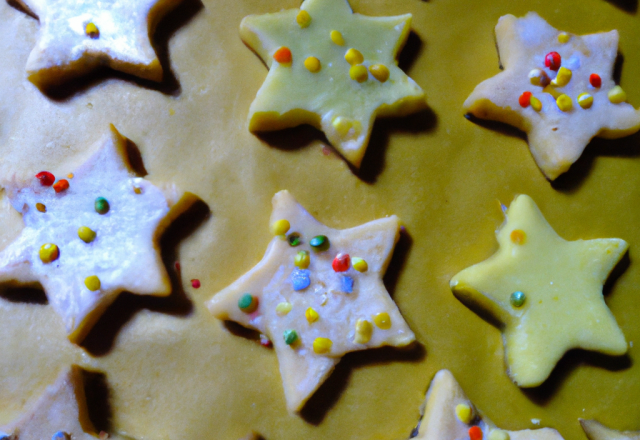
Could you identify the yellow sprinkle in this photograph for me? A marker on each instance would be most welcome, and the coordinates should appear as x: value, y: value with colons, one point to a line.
x: 302, y: 259
x: 518, y: 236
x: 172, y: 112
x: 280, y: 227
x: 311, y: 315
x: 86, y: 234
x: 312, y: 64
x: 342, y: 125
x: 303, y: 18
x: 563, y: 77
x: 379, y: 72
x: 49, y: 252
x: 552, y: 91
x: 92, y: 30
x: 617, y: 95
x: 535, y: 103
x: 358, y: 73
x: 353, y: 57
x: 464, y: 413
x: 337, y: 38
x: 40, y: 207
x: 283, y: 308
x: 322, y: 345
x: 70, y: 176
x: 564, y: 103
x: 382, y: 320
x: 564, y: 37
x: 539, y: 77
x: 364, y: 330
x: 359, y: 264
x: 585, y: 100
x: 92, y: 283
x: 137, y: 190
x: 499, y: 434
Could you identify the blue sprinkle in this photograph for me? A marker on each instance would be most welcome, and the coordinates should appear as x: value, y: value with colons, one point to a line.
x: 300, y: 279
x: 347, y: 284
x: 60, y: 435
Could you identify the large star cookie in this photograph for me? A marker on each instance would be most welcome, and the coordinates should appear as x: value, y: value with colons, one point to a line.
x: 332, y: 69
x: 88, y: 238
x: 450, y: 415
x: 317, y: 294
x: 77, y: 35
x: 545, y: 291
x: 557, y: 87
x: 59, y: 414
x: 597, y: 431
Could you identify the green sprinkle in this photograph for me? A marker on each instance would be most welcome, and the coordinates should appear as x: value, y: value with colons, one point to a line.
x: 248, y: 303
x: 517, y: 299
x: 294, y: 239
x: 290, y: 336
x: 102, y: 205
x: 320, y: 243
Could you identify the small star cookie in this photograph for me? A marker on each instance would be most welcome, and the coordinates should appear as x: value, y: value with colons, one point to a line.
x: 59, y: 414
x: 317, y: 294
x: 76, y: 36
x: 557, y: 87
x: 90, y: 237
x: 450, y: 415
x: 545, y: 291
x: 597, y: 431
x: 332, y: 69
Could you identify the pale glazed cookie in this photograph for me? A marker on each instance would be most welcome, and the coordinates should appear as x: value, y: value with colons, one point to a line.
x: 557, y: 87
x: 92, y: 236
x: 317, y: 294
x: 332, y: 69
x: 597, y: 431
x: 59, y: 414
x: 450, y: 415
x: 76, y: 36
x: 545, y: 291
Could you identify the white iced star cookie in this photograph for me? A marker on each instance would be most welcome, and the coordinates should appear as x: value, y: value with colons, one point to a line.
x: 90, y: 237
x: 597, y: 431
x: 59, y: 414
x: 450, y: 415
x: 76, y: 36
x: 557, y: 87
x: 332, y: 69
x: 317, y: 294
x: 545, y: 291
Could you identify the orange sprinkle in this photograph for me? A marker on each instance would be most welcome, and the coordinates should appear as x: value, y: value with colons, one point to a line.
x: 137, y: 190
x: 282, y: 55
x: 518, y: 236
x: 61, y: 185
x: 70, y: 175
x: 40, y: 207
x: 475, y: 433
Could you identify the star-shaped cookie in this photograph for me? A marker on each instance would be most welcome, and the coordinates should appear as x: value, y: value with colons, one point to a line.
x: 597, y: 431
x: 332, y: 69
x: 545, y: 291
x: 76, y: 36
x: 317, y: 294
x: 557, y: 87
x: 450, y: 415
x: 90, y: 237
x: 61, y: 410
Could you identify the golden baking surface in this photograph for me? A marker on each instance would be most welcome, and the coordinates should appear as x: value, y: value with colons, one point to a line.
x: 173, y: 371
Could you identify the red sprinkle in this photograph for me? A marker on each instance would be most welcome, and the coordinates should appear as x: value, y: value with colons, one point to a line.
x: 595, y: 80
x: 265, y: 341
x: 195, y: 283
x: 341, y: 263
x: 177, y: 266
x: 61, y: 185
x: 552, y: 60
x: 45, y: 178
x: 475, y: 433
x: 282, y: 55
x: 525, y: 99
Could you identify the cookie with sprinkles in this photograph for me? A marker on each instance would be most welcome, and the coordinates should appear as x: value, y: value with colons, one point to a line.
x: 449, y: 414
x: 94, y: 236
x: 332, y: 69
x: 317, y: 294
x: 77, y: 36
x: 597, y: 431
x: 545, y: 291
x: 557, y: 87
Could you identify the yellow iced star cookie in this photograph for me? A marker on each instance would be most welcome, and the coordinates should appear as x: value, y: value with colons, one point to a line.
x: 59, y: 414
x: 76, y: 36
x: 557, y: 87
x: 332, y: 69
x: 450, y: 415
x: 317, y: 294
x: 597, y: 431
x: 90, y: 237
x: 545, y: 291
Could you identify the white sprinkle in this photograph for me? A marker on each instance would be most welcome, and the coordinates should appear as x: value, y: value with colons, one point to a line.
x: 535, y: 421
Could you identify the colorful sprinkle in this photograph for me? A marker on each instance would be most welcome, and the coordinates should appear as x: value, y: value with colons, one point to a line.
x: 312, y: 64
x: 61, y: 185
x: 379, y: 72
x: 103, y: 435
x: 290, y: 337
x: 283, y: 308
x: 265, y: 341
x: 280, y: 227
x: 92, y: 282
x: 464, y: 413
x: 595, y: 80
x: 552, y: 60
x: 177, y: 266
x: 550, y: 89
x: 195, y: 283
x: 359, y: 73
x: 359, y: 264
x: 70, y: 176
x: 45, y: 178
x: 382, y: 320
x: 302, y: 260
x: 499, y: 434
x: 617, y: 95
x: 364, y: 330
x: 102, y: 205
x: 60, y: 435
x: 86, y: 234
x: 539, y: 77
x: 337, y: 38
x: 475, y: 433
x: 585, y: 100
x: 518, y: 236
x: 300, y: 279
x: 40, y: 207
x: 341, y: 262
x: 536, y: 104
x: 322, y: 345
x: 525, y: 99
x: 303, y: 18
x: 49, y: 252
x: 282, y: 55
x: 564, y: 103
x: 346, y: 284
x: 563, y: 78
x: 353, y: 57
x: 293, y: 239
x: 311, y: 315
x: 319, y: 243
x: 563, y: 37
x: 248, y: 303
x: 91, y: 30
x: 137, y: 190
x: 517, y: 298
